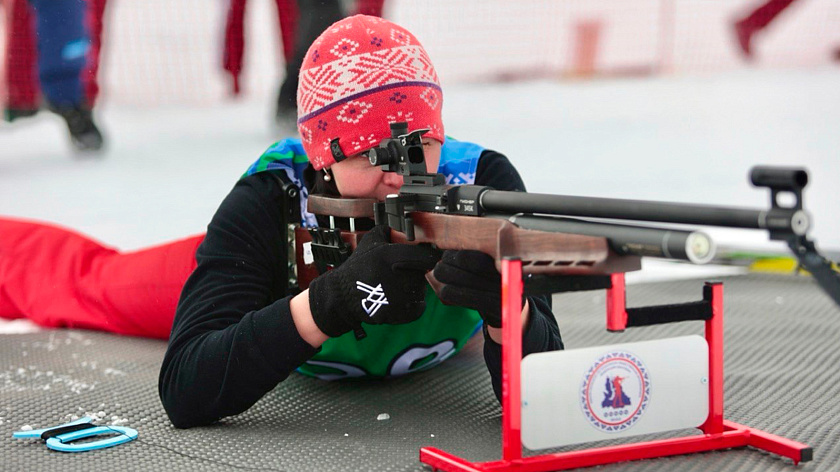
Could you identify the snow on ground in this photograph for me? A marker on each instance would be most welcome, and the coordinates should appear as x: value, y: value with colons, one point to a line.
x: 687, y: 139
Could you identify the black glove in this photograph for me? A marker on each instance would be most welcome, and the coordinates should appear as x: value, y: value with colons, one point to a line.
x: 379, y: 283
x: 470, y: 279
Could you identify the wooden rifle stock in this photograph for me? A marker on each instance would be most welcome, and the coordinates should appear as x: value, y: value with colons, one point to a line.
x: 541, y: 252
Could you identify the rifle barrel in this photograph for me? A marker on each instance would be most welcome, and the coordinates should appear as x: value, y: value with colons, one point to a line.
x: 789, y: 220
x: 694, y: 246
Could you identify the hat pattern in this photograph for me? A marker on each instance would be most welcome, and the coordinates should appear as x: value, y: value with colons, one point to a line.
x: 360, y: 75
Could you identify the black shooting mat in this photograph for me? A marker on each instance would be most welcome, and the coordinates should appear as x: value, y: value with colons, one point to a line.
x: 781, y: 355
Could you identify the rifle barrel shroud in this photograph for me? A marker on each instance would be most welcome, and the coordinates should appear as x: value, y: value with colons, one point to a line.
x: 786, y: 220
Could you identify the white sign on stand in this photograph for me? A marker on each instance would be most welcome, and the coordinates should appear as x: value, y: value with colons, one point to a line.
x: 608, y: 392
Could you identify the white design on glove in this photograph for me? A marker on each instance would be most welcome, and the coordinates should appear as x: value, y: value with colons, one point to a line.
x: 376, y: 297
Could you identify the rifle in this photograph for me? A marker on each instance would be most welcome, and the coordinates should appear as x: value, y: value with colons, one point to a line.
x: 558, y: 253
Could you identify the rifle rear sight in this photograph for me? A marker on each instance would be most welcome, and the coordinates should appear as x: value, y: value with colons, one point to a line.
x: 402, y: 152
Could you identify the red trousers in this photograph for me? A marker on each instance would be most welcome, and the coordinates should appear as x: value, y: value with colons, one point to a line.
x: 22, y: 54
x: 59, y: 278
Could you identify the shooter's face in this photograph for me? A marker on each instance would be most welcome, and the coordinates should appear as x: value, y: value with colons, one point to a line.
x: 356, y: 178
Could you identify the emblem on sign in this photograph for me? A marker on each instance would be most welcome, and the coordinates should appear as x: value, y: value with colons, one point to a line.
x: 615, y: 392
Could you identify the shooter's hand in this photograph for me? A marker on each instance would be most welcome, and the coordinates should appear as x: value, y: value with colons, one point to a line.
x: 469, y: 279
x: 380, y: 283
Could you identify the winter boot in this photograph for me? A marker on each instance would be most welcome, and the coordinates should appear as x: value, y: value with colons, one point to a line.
x: 11, y: 114
x: 83, y: 131
x: 286, y: 121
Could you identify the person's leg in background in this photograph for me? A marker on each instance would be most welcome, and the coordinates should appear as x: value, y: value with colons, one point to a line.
x: 287, y: 20
x: 757, y: 21
x: 314, y: 16
x: 58, y: 278
x: 22, y: 91
x: 96, y: 12
x: 63, y: 44
x: 234, y: 43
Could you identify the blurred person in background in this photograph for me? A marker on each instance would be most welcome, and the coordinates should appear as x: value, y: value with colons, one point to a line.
x: 300, y: 23
x: 53, y: 50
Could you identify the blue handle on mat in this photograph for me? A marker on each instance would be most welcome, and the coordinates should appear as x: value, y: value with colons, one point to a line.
x: 63, y: 442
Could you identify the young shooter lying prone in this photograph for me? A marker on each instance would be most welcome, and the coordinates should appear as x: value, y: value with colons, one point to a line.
x: 236, y: 332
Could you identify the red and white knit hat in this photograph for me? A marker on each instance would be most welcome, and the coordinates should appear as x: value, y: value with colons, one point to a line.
x: 360, y: 75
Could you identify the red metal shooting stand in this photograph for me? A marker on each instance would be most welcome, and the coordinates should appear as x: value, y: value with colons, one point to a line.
x: 718, y: 433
